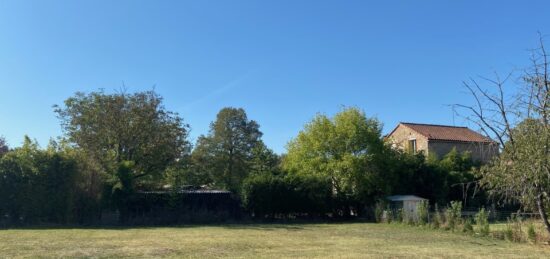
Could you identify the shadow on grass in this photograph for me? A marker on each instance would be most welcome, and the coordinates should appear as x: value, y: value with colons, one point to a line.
x: 293, y: 225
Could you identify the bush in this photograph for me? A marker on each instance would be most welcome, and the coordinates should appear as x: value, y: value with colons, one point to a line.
x: 509, y: 233
x: 514, y: 229
x: 482, y: 222
x: 453, y: 214
x: 399, y: 216
x: 379, y: 211
x: 37, y: 186
x: 267, y: 195
x: 409, y: 218
x: 423, y: 212
x: 437, y: 218
x: 389, y: 215
x: 531, y: 234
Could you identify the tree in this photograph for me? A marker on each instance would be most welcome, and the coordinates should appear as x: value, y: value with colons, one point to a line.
x: 522, y: 172
x: 113, y: 128
x: 411, y: 174
x: 343, y: 148
x: 223, y: 157
x: 131, y: 137
x: 3, y: 146
x: 458, y: 169
x: 264, y: 160
x: 520, y: 121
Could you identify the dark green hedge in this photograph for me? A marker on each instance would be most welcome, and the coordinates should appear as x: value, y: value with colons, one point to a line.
x: 36, y: 187
x: 269, y: 195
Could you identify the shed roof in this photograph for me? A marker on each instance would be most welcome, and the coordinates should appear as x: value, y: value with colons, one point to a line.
x: 446, y: 133
x: 405, y: 198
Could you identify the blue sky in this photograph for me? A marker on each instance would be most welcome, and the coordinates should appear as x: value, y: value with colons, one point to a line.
x: 282, y: 61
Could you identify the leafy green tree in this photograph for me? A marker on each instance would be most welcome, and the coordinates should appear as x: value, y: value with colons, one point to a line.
x: 439, y: 180
x: 343, y: 148
x: 458, y: 171
x: 117, y: 130
x: 455, y: 161
x: 182, y: 173
x: 223, y: 157
x: 114, y: 128
x: 264, y: 160
x: 412, y: 174
x: 522, y: 171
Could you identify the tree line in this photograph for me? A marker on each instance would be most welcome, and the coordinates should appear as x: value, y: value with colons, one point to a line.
x: 116, y: 144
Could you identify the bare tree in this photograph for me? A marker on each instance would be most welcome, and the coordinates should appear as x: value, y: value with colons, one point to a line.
x: 518, y: 118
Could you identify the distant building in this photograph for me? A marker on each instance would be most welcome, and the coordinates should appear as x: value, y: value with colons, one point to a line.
x: 441, y: 139
x: 408, y: 203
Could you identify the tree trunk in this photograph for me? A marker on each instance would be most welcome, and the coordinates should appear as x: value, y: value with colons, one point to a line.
x: 542, y: 212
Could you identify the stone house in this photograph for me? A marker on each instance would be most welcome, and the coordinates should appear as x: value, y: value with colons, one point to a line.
x: 441, y: 139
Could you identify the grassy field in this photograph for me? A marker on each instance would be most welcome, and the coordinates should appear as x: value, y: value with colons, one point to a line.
x: 352, y: 240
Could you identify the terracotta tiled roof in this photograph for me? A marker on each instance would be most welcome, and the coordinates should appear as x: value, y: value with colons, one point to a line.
x: 447, y: 133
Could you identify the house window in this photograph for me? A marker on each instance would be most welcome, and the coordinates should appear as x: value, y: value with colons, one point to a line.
x: 412, y: 146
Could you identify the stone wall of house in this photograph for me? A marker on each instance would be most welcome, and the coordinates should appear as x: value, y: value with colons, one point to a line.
x: 480, y: 151
x: 401, y: 136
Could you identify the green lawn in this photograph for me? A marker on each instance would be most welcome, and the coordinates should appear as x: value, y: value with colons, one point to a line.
x: 352, y: 240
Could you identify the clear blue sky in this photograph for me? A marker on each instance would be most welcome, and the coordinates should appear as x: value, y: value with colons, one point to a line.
x: 282, y: 61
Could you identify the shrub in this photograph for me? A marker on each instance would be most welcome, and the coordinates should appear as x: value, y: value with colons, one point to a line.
x: 423, y: 212
x: 37, y: 186
x: 437, y: 220
x: 273, y: 195
x: 453, y: 214
x: 408, y: 218
x: 531, y: 234
x: 482, y: 222
x: 514, y: 231
x: 379, y: 211
x: 399, y: 216
x: 389, y: 215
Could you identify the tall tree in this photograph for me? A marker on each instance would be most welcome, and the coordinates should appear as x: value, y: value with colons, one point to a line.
x: 120, y: 127
x: 3, y: 146
x: 224, y: 154
x: 343, y: 148
x: 520, y: 121
x: 264, y: 160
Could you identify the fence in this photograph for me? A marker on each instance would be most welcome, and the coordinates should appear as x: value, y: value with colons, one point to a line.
x: 499, y: 215
x: 494, y: 215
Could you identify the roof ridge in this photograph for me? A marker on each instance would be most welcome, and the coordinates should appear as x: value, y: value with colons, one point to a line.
x: 444, y: 132
x: 437, y: 125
